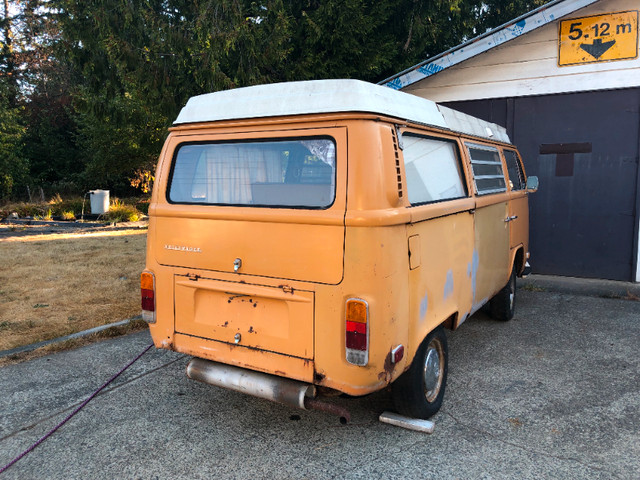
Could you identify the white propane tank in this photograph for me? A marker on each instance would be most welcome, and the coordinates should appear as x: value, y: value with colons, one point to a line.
x: 99, y: 201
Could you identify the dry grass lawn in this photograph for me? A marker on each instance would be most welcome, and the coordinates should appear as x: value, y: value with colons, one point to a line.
x: 55, y: 285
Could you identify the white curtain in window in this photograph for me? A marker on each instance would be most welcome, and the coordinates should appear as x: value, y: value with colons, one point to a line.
x: 232, y: 169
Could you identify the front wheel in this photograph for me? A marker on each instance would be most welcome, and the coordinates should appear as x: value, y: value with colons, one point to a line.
x: 419, y: 391
x: 503, y: 305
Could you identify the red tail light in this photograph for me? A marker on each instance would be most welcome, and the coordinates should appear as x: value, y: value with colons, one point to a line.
x: 147, y: 290
x: 357, y: 331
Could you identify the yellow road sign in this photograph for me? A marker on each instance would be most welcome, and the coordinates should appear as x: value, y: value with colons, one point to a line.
x: 599, y: 38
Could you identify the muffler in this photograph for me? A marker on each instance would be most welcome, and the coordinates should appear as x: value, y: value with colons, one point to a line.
x: 277, y: 389
x: 282, y: 390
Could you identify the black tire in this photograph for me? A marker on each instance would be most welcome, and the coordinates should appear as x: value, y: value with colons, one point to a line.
x: 419, y: 391
x: 503, y: 305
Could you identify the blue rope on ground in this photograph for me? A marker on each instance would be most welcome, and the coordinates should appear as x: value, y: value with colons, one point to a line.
x: 80, y: 407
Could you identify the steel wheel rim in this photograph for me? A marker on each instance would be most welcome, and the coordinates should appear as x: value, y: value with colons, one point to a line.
x: 433, y: 370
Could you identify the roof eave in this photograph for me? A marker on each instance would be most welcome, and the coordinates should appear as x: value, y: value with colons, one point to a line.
x: 513, y: 29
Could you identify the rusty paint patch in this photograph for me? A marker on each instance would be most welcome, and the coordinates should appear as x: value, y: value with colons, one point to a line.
x: 318, y: 377
x: 388, y: 369
x: 251, y: 330
x: 287, y: 289
x: 233, y: 297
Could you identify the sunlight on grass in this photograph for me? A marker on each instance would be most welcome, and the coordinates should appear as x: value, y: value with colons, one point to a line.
x: 66, y: 236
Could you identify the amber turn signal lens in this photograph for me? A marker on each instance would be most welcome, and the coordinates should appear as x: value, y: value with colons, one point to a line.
x: 357, y: 311
x: 146, y: 281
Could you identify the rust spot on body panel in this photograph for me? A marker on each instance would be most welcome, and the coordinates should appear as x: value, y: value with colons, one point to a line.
x: 287, y: 289
x: 388, y: 369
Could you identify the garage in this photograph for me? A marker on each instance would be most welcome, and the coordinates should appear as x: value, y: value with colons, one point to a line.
x: 565, y: 81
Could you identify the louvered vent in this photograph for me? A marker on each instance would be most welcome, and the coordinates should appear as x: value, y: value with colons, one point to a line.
x: 396, y: 150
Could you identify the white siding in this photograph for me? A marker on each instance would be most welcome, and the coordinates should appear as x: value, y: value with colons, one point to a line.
x: 528, y: 65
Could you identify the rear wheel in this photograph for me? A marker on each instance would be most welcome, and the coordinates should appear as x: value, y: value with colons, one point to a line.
x: 503, y: 305
x: 419, y: 391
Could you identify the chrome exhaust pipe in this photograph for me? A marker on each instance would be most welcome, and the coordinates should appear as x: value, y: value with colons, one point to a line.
x: 282, y: 390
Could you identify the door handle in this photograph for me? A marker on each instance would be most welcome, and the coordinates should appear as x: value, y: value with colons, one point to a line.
x: 510, y: 219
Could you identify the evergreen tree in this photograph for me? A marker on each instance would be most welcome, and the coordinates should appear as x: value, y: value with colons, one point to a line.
x: 97, y: 82
x: 13, y: 165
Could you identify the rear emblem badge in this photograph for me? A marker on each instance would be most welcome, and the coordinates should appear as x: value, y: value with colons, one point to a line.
x: 182, y: 248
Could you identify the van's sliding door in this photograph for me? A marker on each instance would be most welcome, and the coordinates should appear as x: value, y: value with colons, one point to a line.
x: 490, y: 267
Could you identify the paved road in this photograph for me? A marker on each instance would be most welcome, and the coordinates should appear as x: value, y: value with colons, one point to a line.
x: 555, y: 393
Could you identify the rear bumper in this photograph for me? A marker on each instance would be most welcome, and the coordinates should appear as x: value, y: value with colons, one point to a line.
x: 245, y: 357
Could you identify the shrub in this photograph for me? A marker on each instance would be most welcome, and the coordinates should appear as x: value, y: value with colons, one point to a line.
x: 47, y: 215
x: 71, y: 209
x: 56, y: 199
x: 119, y: 212
x: 25, y: 209
x: 68, y: 215
x: 73, y: 205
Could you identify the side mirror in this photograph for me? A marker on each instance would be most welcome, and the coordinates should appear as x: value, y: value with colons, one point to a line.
x: 532, y: 184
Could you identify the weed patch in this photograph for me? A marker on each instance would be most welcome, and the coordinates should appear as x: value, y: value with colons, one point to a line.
x: 530, y: 287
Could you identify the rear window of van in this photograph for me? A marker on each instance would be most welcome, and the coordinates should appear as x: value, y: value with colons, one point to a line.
x: 269, y: 173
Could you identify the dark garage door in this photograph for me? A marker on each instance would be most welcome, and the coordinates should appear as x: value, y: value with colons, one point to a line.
x: 584, y: 149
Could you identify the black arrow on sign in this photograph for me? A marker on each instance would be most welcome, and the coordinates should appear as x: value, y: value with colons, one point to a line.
x: 598, y: 48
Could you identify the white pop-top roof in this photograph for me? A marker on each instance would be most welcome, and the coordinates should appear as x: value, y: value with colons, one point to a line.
x: 331, y: 96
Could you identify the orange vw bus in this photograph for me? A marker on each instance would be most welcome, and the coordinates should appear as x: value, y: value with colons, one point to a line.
x: 318, y: 237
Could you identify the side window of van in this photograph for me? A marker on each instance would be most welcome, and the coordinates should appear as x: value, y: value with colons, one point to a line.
x: 432, y: 168
x: 487, y: 169
x: 268, y: 173
x: 514, y: 169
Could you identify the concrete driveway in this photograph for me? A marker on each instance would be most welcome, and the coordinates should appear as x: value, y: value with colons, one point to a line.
x: 555, y: 393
